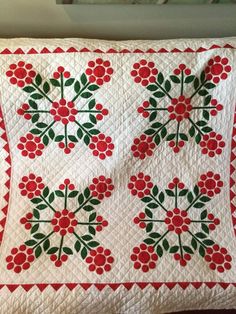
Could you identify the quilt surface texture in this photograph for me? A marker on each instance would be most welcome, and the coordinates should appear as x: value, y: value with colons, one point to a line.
x: 117, y: 177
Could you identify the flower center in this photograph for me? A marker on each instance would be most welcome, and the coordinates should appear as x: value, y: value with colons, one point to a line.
x: 64, y: 222
x: 20, y: 258
x: 216, y: 69
x: 212, y: 144
x: 144, y: 257
x: 177, y: 221
x: 144, y: 72
x: 218, y: 258
x: 102, y: 146
x: 31, y: 186
x: 101, y: 187
x: 99, y: 260
x: 63, y: 111
x: 99, y: 71
x: 180, y: 108
x: 210, y: 184
x: 140, y: 185
x: 30, y: 146
x: 143, y: 147
x: 20, y: 73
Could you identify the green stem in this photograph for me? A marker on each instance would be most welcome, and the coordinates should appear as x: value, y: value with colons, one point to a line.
x: 176, y: 196
x: 89, y: 223
x: 60, y: 248
x: 62, y: 86
x: 193, y: 202
x: 49, y: 235
x: 82, y: 241
x: 164, y: 91
x: 152, y: 220
x: 161, y: 128
x: 37, y: 111
x: 66, y: 192
x: 197, y: 239
x: 198, y: 89
x: 66, y: 141
x: 82, y: 205
x: 90, y: 111
x: 47, y: 128
x: 81, y: 91
x: 42, y: 92
x: 153, y: 197
x: 206, y: 107
x: 39, y: 220
x: 163, y: 236
x: 47, y: 203
x: 196, y: 127
x: 83, y: 129
x: 202, y: 221
x: 180, y: 245
x: 182, y: 83
x: 156, y: 109
x: 177, y: 134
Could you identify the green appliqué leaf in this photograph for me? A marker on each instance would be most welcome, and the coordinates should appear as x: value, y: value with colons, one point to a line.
x: 55, y: 82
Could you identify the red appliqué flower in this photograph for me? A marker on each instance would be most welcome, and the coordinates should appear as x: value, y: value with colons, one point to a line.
x: 61, y: 71
x: 144, y: 72
x: 180, y: 108
x: 218, y: 258
x: 212, y: 144
x: 20, y: 259
x: 31, y: 146
x: 21, y: 73
x: 31, y: 186
x: 100, y: 260
x: 217, y: 69
x: 144, y: 257
x: 101, y: 146
x: 177, y: 221
x: 64, y: 111
x: 99, y: 71
x: 101, y: 187
x: 140, y: 185
x: 64, y: 222
x: 143, y: 146
x: 210, y: 184
x: 182, y: 67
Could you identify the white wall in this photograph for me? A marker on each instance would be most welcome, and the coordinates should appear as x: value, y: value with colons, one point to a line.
x: 43, y: 18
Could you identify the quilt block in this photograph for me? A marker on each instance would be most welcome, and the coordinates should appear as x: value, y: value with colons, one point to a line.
x: 117, y: 176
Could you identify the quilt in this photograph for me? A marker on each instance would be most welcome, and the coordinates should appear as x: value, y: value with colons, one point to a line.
x: 117, y: 177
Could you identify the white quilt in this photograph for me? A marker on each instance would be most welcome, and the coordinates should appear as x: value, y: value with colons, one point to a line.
x: 117, y: 177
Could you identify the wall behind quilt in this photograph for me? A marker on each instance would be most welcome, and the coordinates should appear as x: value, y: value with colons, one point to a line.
x: 43, y: 18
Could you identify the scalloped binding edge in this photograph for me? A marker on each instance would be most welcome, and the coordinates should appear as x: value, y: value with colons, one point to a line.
x: 19, y: 51
x: 127, y: 285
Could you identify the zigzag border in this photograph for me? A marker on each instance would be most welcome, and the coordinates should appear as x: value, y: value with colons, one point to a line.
x: 127, y: 285
x: 4, y: 210
x: 19, y: 51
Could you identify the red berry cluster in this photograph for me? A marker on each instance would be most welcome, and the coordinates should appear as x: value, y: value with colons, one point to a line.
x: 182, y: 259
x: 210, y: 184
x: 31, y: 186
x: 102, y: 223
x: 67, y: 149
x: 25, y: 221
x: 177, y: 220
x: 140, y: 185
x: 22, y: 111
x: 217, y: 69
x: 212, y: 144
x: 100, y: 260
x: 143, y: 146
x: 101, y: 146
x: 215, y: 221
x: 68, y: 184
x: 218, y: 258
x: 139, y: 220
x: 218, y: 107
x: 61, y: 71
x: 30, y: 146
x: 103, y: 112
x: 176, y: 182
x: 101, y: 187
x: 144, y: 72
x: 182, y: 68
x: 21, y: 74
x: 144, y: 257
x: 142, y: 110
x: 58, y: 261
